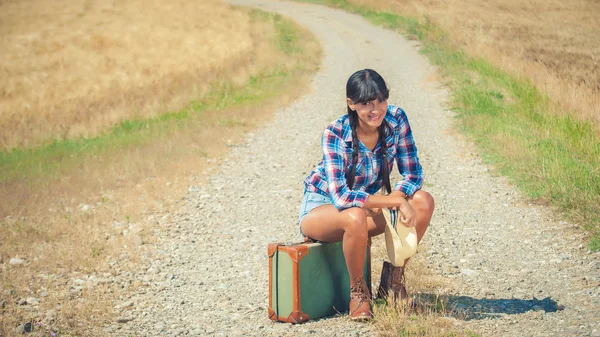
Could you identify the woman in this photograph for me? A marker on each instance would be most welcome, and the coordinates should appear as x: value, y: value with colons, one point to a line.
x: 359, y: 150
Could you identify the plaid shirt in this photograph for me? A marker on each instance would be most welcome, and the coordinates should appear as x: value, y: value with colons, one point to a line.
x: 329, y: 178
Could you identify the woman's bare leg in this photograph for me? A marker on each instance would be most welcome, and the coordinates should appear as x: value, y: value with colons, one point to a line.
x: 326, y: 223
x: 351, y: 226
x: 423, y: 204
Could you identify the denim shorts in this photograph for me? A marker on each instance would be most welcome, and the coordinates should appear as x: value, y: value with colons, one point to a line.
x: 311, y: 201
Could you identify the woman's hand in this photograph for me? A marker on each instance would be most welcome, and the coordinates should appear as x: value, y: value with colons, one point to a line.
x: 396, y: 201
x: 408, y: 215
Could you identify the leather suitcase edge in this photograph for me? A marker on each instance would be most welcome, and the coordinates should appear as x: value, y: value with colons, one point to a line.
x: 297, y: 317
x: 296, y: 252
x: 271, y: 249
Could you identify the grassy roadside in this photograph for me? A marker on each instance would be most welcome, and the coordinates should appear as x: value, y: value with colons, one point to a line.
x: 551, y: 157
x: 73, y: 208
x: 77, y: 69
x: 63, y: 154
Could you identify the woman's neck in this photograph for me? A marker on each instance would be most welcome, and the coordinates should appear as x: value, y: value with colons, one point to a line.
x: 366, y: 131
x: 369, y: 137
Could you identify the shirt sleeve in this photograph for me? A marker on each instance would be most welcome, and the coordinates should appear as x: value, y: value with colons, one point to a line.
x: 407, y: 159
x: 334, y: 162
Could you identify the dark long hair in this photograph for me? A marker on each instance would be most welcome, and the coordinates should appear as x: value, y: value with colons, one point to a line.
x: 364, y: 86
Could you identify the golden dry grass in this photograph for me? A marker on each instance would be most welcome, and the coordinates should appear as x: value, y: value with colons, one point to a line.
x: 68, y: 225
x: 74, y: 68
x: 556, y: 44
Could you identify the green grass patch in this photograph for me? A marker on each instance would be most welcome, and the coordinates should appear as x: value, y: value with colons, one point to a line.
x: 553, y: 159
x: 62, y: 154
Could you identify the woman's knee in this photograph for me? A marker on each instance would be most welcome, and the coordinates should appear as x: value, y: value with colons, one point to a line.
x: 424, y: 201
x: 356, y: 221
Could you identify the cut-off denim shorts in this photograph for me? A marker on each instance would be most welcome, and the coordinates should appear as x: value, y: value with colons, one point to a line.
x: 311, y: 201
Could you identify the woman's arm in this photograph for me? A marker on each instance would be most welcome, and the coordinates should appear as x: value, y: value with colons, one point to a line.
x: 407, y: 158
x: 395, y: 200
x: 392, y: 200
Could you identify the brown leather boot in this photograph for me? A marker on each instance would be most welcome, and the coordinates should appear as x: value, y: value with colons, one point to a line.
x: 399, y: 285
x: 360, y: 301
x: 392, y: 278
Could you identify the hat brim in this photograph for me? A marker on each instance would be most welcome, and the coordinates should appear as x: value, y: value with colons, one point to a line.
x: 400, y: 243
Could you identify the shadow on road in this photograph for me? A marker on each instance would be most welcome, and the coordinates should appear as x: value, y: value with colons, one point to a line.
x: 468, y: 308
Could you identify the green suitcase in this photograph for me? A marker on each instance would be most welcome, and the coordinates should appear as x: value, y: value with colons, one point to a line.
x: 309, y: 280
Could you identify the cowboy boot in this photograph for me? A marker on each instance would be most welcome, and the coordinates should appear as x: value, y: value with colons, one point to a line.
x: 392, y: 279
x: 399, y: 285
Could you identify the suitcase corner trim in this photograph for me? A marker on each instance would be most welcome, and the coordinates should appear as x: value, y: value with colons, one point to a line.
x: 296, y: 253
x: 272, y: 248
x: 298, y: 317
x: 295, y: 317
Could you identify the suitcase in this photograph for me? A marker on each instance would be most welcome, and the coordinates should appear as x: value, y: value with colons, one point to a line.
x: 309, y: 280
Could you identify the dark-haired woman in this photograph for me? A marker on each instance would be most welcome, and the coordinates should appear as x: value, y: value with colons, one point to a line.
x: 359, y: 151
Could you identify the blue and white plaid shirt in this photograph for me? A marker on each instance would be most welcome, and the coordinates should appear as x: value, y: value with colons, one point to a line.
x: 329, y: 178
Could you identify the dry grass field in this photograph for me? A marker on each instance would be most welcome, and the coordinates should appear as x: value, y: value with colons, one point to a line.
x: 74, y: 68
x: 556, y: 44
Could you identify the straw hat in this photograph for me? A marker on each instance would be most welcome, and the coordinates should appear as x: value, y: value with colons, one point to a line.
x: 400, y: 241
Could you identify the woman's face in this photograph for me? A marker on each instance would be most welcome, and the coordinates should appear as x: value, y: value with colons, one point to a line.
x: 371, y: 113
